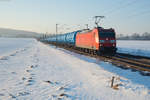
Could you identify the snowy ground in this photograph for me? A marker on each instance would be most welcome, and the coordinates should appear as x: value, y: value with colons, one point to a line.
x: 34, y: 71
x: 141, y: 48
x: 10, y: 45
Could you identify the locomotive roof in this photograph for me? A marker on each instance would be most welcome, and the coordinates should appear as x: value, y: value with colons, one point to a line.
x: 99, y: 28
x: 85, y: 31
x: 106, y: 30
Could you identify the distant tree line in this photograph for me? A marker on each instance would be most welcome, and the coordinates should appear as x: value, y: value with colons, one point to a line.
x: 135, y: 36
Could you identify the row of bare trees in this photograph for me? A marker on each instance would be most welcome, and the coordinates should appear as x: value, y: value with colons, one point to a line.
x: 135, y: 36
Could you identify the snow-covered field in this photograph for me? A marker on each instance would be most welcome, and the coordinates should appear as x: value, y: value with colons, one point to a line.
x: 10, y: 45
x: 141, y: 48
x: 30, y: 70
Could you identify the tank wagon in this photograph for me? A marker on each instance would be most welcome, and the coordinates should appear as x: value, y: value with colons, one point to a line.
x: 97, y: 40
x: 66, y: 39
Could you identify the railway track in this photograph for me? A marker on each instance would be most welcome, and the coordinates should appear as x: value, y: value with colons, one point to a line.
x: 125, y: 61
x: 142, y: 63
x: 132, y: 63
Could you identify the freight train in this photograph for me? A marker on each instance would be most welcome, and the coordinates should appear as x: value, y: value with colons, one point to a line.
x: 97, y: 40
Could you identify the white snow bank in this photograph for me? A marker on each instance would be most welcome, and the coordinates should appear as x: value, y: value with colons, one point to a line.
x: 141, y: 48
x: 43, y: 72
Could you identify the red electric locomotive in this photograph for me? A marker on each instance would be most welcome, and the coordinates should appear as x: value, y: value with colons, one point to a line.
x: 99, y: 40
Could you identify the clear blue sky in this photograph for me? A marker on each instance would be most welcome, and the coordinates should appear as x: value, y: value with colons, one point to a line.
x: 125, y: 16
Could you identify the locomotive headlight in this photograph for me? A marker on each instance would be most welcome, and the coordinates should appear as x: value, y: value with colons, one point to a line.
x: 101, y: 45
x: 102, y: 41
x: 112, y: 41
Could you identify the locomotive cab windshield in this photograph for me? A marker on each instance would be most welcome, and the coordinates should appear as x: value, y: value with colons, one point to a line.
x: 107, y: 40
x: 107, y: 34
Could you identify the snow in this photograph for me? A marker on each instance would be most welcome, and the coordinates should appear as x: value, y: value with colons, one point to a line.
x: 141, y: 48
x: 37, y: 71
x: 12, y: 44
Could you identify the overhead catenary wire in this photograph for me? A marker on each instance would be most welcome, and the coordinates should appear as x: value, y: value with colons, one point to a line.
x: 121, y: 7
x: 136, y: 13
x: 110, y: 10
x: 139, y: 14
x: 127, y: 5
